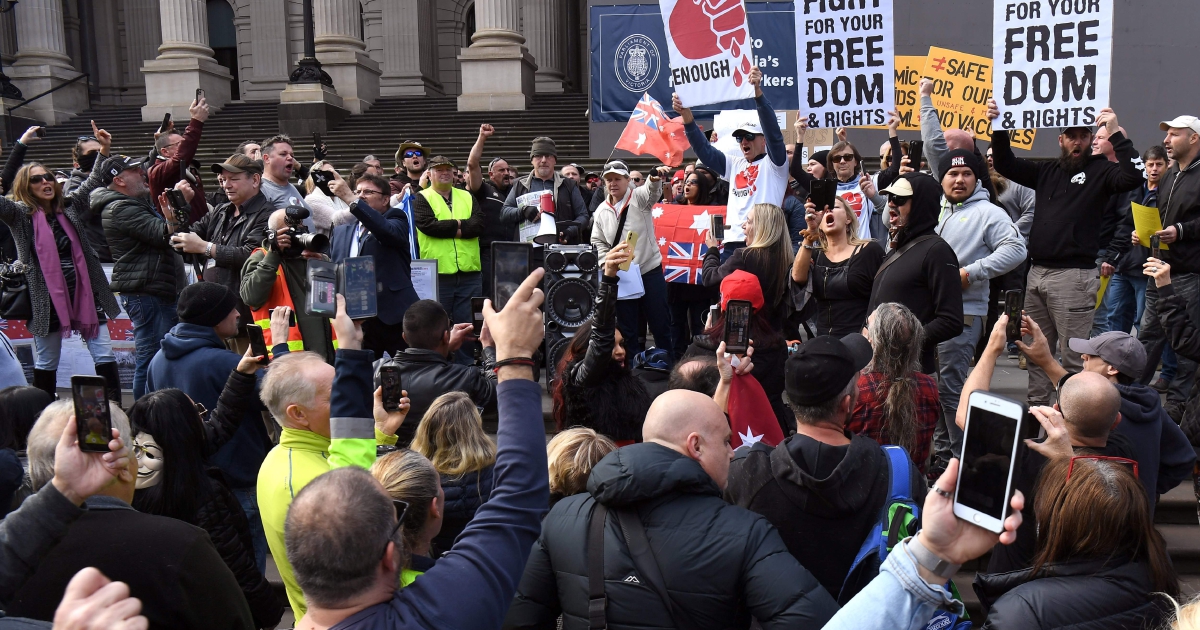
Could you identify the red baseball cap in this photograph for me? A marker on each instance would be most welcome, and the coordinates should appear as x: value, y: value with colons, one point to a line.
x: 742, y: 285
x: 678, y: 175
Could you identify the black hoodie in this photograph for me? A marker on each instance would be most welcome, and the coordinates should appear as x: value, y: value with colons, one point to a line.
x: 925, y: 278
x: 1164, y: 455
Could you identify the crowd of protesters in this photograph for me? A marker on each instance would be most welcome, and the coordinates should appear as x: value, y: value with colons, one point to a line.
x: 874, y: 318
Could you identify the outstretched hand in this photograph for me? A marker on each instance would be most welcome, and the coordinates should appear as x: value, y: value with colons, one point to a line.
x: 954, y: 539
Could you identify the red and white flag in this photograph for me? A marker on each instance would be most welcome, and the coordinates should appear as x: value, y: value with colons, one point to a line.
x: 710, y: 51
x: 650, y: 132
x: 751, y: 418
x: 681, y: 230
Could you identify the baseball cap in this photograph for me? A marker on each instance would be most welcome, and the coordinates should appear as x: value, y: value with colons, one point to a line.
x: 441, y: 160
x: 238, y: 163
x: 742, y: 285
x: 1064, y: 130
x: 1181, y: 122
x: 823, y: 366
x: 1118, y: 349
x: 116, y: 167
x: 901, y: 188
x: 616, y: 166
x: 748, y: 126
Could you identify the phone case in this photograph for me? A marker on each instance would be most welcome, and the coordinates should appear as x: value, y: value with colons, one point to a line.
x: 633, y: 239
x: 322, y: 282
x: 356, y: 279
x: 507, y: 271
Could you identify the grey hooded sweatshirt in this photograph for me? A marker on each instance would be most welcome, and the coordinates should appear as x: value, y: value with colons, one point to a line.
x: 986, y: 242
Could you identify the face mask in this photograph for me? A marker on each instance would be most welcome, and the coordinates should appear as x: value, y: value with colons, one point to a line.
x: 149, y: 459
x: 87, y: 161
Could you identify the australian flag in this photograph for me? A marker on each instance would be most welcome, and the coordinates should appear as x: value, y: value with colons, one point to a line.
x: 681, y: 231
x: 684, y: 261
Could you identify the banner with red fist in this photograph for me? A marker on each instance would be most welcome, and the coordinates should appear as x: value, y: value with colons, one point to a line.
x: 710, y: 50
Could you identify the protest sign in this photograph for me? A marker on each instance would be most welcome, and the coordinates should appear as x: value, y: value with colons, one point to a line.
x: 1053, y: 61
x: 908, y: 98
x: 845, y: 53
x: 962, y: 85
x: 709, y: 47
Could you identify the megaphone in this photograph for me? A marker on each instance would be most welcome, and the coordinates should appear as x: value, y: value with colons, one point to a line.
x: 548, y: 230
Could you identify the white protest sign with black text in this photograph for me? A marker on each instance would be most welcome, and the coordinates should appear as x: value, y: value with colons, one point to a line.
x: 710, y: 50
x: 1053, y: 62
x: 844, y: 55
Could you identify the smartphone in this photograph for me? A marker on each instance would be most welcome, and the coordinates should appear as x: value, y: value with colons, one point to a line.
x: 632, y: 239
x: 322, y: 281
x: 356, y: 281
x: 718, y: 227
x: 916, y: 150
x: 1013, y: 301
x: 511, y: 264
x: 166, y: 121
x: 199, y: 94
x: 321, y: 178
x: 1155, y: 245
x: 737, y: 326
x: 40, y: 132
x: 989, y: 456
x: 714, y: 312
x: 823, y: 193
x: 178, y: 201
x: 258, y: 344
x: 316, y: 139
x: 389, y: 380
x: 291, y: 317
x: 93, y: 424
x: 477, y: 314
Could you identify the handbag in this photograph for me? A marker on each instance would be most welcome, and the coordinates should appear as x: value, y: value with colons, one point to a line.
x: 14, y: 293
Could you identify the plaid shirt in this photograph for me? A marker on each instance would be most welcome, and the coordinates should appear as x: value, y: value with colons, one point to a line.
x: 868, y: 412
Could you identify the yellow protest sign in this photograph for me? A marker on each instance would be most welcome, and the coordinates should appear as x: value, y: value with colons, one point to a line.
x: 1104, y: 280
x: 908, y: 100
x: 962, y: 85
x: 1146, y: 221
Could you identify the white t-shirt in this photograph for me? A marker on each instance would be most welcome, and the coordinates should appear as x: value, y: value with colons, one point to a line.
x: 760, y: 182
x: 863, y: 207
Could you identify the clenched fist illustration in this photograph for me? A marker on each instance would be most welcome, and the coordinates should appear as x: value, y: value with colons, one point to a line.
x: 703, y: 28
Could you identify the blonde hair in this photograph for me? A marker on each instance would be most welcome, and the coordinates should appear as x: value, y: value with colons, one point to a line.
x: 771, y: 247
x: 21, y: 192
x: 451, y: 436
x: 572, y: 454
x: 408, y: 476
x: 309, y: 186
x: 1187, y: 617
x: 852, y: 236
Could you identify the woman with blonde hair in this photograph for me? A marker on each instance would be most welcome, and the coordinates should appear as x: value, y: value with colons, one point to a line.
x: 571, y: 455
x: 327, y: 211
x: 408, y: 476
x: 451, y: 436
x: 767, y: 255
x: 841, y: 266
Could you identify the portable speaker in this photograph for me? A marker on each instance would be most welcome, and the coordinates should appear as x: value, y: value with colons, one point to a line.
x: 571, y: 283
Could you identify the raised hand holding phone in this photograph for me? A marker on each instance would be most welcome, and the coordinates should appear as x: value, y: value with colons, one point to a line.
x: 989, y: 457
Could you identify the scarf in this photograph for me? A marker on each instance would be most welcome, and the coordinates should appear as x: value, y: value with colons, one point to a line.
x: 76, y: 312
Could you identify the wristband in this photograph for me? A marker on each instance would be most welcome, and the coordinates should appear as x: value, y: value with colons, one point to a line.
x: 208, y: 250
x: 930, y: 561
x: 525, y: 361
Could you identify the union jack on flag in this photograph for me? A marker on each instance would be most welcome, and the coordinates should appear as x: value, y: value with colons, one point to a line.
x: 648, y: 112
x: 650, y: 132
x: 684, y: 262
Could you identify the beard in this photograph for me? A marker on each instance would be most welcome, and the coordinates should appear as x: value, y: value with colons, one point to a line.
x: 1073, y: 164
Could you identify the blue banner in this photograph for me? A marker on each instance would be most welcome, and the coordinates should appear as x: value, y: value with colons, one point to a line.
x: 629, y: 56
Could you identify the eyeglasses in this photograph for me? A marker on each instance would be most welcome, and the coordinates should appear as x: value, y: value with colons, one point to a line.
x: 845, y: 157
x: 200, y: 410
x: 38, y: 179
x: 367, y: 193
x: 172, y: 145
x: 1106, y: 458
x: 412, y: 153
x: 401, y: 510
x: 898, y: 200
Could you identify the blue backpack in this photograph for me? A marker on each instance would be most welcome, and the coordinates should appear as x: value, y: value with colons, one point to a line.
x: 897, y: 520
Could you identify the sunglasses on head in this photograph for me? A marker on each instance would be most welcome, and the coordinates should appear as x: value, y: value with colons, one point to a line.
x: 38, y: 179
x: 412, y: 153
x: 401, y: 510
x: 845, y: 157
x: 898, y: 200
x: 1128, y: 463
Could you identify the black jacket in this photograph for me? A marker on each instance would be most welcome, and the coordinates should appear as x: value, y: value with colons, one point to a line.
x: 1164, y: 456
x: 464, y: 495
x: 926, y: 277
x: 721, y: 563
x: 426, y: 374
x: 388, y: 241
x: 1179, y: 203
x: 1079, y: 595
x: 140, y: 245
x: 93, y: 224
x: 234, y: 238
x: 1122, y: 254
x: 823, y: 499
x: 1070, y: 206
x: 1180, y: 323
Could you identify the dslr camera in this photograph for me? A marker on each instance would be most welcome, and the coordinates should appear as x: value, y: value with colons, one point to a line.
x: 302, y: 239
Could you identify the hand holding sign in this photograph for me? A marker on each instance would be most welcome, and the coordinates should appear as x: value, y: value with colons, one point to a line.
x: 926, y: 86
x: 1108, y: 118
x: 677, y: 105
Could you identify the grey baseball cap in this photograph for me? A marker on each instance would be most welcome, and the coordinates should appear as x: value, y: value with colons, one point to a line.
x: 1118, y: 349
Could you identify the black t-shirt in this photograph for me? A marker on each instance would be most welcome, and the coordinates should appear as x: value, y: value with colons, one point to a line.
x: 491, y: 200
x: 842, y: 289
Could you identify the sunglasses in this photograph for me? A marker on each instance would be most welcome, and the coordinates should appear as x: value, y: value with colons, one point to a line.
x: 401, y: 510
x: 413, y: 153
x: 845, y: 157
x: 87, y: 139
x: 636, y: 179
x: 38, y: 179
x: 744, y: 136
x: 898, y: 200
x: 1129, y: 463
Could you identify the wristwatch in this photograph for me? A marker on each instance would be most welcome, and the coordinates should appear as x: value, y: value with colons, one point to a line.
x: 930, y: 561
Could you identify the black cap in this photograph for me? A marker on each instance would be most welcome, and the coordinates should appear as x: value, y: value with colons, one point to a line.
x: 205, y: 304
x: 960, y: 157
x: 823, y: 367
x: 116, y: 165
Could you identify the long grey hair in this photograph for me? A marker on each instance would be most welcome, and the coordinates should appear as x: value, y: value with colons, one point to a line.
x: 897, y: 337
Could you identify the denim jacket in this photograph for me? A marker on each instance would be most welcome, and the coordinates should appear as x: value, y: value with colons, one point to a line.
x: 909, y: 600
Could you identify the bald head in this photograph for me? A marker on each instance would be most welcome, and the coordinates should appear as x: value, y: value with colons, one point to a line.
x: 277, y: 220
x: 1090, y: 404
x: 692, y: 424
x: 959, y: 139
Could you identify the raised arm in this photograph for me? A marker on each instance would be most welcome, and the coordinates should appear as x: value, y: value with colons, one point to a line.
x: 1127, y: 176
x: 776, y: 149
x: 1020, y: 171
x: 931, y: 130
x: 707, y: 153
x: 474, y: 170
x: 16, y: 157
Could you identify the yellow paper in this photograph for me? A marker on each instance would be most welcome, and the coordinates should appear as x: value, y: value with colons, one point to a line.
x: 962, y: 85
x: 1103, y: 286
x: 908, y: 98
x: 1146, y: 221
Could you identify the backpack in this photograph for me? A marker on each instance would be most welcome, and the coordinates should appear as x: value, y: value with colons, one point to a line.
x: 897, y: 520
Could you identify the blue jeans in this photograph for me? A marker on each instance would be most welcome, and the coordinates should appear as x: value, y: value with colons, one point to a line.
x: 1125, y: 299
x: 954, y: 361
x: 455, y: 291
x: 654, y: 305
x: 248, y: 499
x: 152, y: 319
x: 48, y: 349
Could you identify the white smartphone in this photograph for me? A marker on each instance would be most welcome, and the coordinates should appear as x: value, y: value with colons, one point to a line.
x: 989, y: 455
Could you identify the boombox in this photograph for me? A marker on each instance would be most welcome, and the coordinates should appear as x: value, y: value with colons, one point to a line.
x: 572, y: 281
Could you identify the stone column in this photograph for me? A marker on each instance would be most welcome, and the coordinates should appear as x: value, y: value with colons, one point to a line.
x: 143, y: 34
x: 343, y: 54
x: 42, y: 63
x: 497, y: 70
x: 184, y: 64
x: 546, y: 31
x: 269, y: 48
x: 409, y: 49
x: 8, y: 38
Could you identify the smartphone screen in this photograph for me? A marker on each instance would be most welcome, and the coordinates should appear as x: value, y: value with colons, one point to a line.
x: 989, y: 449
x: 737, y: 326
x: 258, y: 344
x: 718, y: 227
x: 714, y: 312
x: 166, y: 121
x: 477, y: 314
x: 1013, y: 300
x: 358, y: 286
x: 389, y: 380
x: 1155, y: 245
x: 322, y: 278
x: 510, y: 267
x: 92, y: 422
x: 822, y: 193
x: 916, y: 149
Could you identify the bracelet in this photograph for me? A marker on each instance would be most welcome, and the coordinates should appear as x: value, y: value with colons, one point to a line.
x: 930, y: 561
x: 525, y: 361
x: 208, y: 250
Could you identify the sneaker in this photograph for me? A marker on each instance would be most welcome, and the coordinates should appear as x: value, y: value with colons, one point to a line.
x: 1161, y: 385
x: 1022, y: 363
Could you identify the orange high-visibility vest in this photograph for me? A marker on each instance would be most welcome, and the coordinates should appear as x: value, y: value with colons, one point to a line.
x: 281, y: 296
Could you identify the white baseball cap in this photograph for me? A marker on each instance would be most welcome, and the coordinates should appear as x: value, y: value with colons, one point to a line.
x: 616, y: 166
x: 748, y: 126
x: 1181, y: 122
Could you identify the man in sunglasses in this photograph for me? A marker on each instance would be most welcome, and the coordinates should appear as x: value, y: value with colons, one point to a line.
x: 757, y: 172
x: 410, y: 165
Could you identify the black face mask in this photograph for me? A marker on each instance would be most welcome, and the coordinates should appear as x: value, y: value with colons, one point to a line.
x: 87, y: 161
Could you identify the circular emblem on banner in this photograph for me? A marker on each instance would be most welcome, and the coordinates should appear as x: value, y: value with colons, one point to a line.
x: 637, y: 63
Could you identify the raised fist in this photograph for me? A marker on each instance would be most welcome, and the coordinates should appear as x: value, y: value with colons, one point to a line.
x: 703, y: 28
